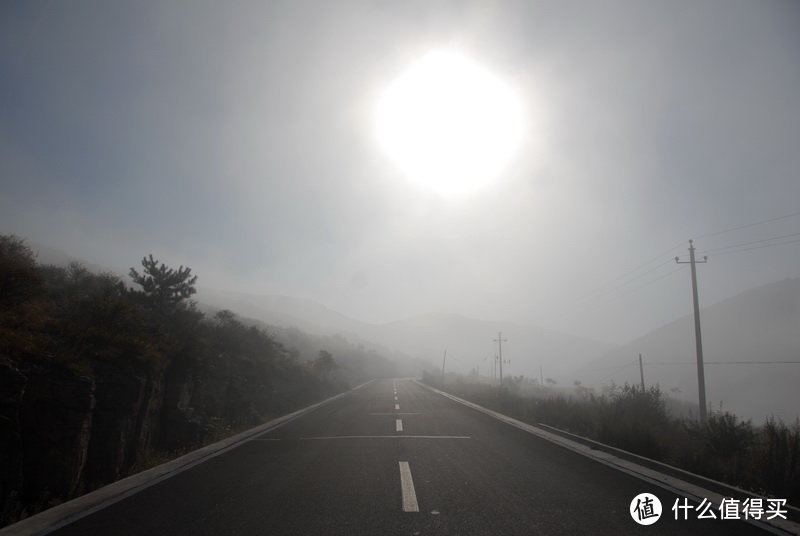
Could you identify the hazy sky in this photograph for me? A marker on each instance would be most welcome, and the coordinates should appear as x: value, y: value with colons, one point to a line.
x: 238, y: 138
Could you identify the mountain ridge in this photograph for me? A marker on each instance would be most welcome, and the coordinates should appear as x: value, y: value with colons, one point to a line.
x: 744, y: 338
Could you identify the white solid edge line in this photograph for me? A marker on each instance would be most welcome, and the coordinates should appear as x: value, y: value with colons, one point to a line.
x: 62, y: 515
x: 407, y: 489
x: 670, y: 483
x: 398, y: 424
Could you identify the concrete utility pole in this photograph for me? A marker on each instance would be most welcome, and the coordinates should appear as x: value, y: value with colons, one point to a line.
x: 641, y: 371
x: 444, y: 358
x: 500, y: 340
x: 701, y: 376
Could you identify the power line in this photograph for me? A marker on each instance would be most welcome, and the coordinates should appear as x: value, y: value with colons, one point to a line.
x: 648, y: 272
x: 624, y: 365
x: 652, y: 281
x: 620, y: 287
x: 759, y: 247
x: 603, y: 295
x: 611, y: 286
x: 746, y: 226
x: 714, y: 250
x: 659, y: 256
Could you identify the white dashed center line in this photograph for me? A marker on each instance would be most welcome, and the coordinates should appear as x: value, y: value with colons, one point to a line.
x: 398, y: 424
x: 397, y: 406
x: 407, y: 488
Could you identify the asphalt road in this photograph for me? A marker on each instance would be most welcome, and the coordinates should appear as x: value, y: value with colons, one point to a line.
x: 346, y: 469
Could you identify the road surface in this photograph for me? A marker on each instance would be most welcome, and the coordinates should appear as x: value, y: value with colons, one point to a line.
x: 393, y: 458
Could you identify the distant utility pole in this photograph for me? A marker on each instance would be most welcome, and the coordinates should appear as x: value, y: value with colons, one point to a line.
x: 641, y: 371
x: 701, y: 377
x: 500, y: 340
x: 444, y: 358
x: 541, y: 376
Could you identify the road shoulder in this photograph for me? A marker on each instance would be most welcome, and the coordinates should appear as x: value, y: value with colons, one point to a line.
x: 689, y: 485
x: 54, y: 518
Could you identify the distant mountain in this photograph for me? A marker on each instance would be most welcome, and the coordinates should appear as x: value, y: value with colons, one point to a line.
x: 285, y: 311
x: 307, y: 327
x: 761, y: 325
x: 471, y: 343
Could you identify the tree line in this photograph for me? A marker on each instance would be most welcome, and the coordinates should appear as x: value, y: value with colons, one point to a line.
x: 99, y: 378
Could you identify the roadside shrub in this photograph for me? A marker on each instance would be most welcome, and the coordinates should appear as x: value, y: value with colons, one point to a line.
x: 763, y: 459
x: 636, y: 420
x: 720, y: 449
x: 778, y: 455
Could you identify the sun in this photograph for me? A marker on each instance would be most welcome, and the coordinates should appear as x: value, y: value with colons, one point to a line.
x: 448, y: 123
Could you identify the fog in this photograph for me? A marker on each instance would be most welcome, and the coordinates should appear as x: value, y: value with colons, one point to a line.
x: 238, y: 139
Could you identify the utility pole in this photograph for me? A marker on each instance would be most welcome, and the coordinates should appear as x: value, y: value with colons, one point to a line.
x: 444, y: 358
x: 641, y: 371
x: 701, y: 377
x: 500, y: 340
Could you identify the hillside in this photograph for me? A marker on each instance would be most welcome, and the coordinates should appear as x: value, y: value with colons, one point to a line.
x: 303, y: 327
x: 469, y: 342
x: 98, y: 380
x: 284, y: 311
x: 760, y: 326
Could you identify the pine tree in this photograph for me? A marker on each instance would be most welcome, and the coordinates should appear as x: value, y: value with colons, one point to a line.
x: 164, y: 288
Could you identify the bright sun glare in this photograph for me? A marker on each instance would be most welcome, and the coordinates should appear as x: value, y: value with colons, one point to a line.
x: 449, y: 124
